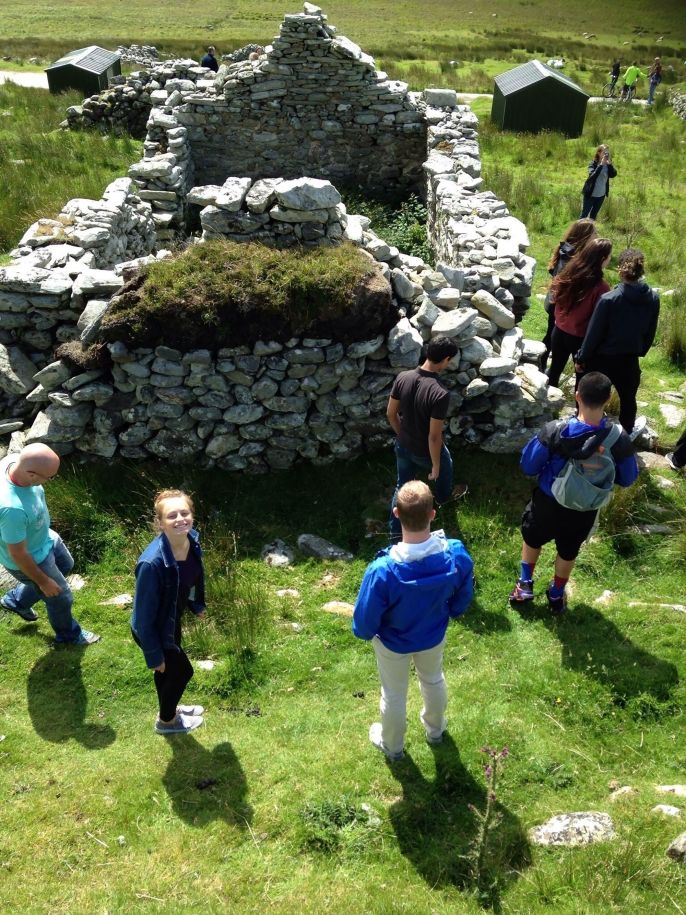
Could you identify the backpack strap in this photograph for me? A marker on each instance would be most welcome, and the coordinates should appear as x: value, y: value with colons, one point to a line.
x: 613, y: 436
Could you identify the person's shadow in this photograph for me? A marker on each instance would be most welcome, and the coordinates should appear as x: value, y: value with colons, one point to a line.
x: 57, y: 700
x: 594, y: 646
x: 205, y: 785
x: 436, y: 828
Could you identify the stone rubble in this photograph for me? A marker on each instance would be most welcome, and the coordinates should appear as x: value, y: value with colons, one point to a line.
x: 574, y: 829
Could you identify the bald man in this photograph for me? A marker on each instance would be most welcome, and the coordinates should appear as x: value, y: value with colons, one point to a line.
x: 30, y: 551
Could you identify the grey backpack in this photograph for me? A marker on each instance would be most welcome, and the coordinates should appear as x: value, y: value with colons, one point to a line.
x: 586, y: 481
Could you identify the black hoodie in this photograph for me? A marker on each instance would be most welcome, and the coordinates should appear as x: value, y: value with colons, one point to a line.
x: 623, y: 323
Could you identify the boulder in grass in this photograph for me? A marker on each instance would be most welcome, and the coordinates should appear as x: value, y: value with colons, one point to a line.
x: 574, y: 829
x: 677, y: 850
x: 317, y: 547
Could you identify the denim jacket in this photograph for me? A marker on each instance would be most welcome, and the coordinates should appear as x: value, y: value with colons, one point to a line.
x: 153, y: 620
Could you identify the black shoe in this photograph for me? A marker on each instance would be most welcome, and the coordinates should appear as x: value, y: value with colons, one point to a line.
x: 557, y: 605
x: 29, y: 616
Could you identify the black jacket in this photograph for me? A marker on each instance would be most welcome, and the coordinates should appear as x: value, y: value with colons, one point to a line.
x: 623, y: 323
x: 593, y: 170
x: 210, y: 62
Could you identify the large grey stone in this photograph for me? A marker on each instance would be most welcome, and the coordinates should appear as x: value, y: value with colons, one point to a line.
x: 16, y: 371
x: 677, y: 849
x: 574, y: 829
x: 262, y: 194
x: 492, y: 308
x: 312, y: 545
x: 232, y: 194
x: 307, y: 194
x: 496, y: 365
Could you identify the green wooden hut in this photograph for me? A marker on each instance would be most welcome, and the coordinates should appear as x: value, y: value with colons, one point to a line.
x: 534, y: 97
x: 87, y: 69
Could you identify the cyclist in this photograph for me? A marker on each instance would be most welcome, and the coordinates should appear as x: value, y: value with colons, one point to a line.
x: 631, y: 77
x: 614, y: 74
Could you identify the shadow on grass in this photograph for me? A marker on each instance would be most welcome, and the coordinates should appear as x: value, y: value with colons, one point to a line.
x: 436, y: 828
x: 593, y: 645
x: 484, y: 622
x: 57, y: 700
x: 205, y: 785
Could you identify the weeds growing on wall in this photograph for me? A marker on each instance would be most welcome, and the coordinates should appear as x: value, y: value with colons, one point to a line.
x: 402, y: 224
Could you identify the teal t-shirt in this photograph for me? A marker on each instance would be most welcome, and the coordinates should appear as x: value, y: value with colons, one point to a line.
x: 23, y: 516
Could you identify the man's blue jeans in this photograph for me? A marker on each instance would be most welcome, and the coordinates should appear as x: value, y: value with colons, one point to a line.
x: 411, y: 467
x: 57, y: 564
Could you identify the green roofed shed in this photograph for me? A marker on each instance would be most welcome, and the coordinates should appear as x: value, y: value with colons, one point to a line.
x: 534, y: 97
x: 87, y: 69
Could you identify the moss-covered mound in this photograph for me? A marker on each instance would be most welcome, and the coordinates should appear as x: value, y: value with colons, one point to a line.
x: 228, y: 294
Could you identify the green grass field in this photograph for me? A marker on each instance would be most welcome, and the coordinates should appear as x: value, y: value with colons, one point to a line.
x: 261, y: 810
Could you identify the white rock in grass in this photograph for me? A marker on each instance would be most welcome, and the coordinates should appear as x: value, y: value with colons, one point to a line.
x: 119, y: 600
x: 312, y: 545
x: 573, y: 829
x: 288, y: 592
x: 678, y: 790
x: 667, y: 809
x: 76, y: 582
x: 623, y: 791
x: 277, y: 554
x: 677, y: 850
x: 673, y: 416
x: 605, y: 598
x: 205, y: 665
x: 338, y: 606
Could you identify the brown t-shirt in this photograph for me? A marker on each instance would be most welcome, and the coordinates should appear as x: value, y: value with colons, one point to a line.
x: 422, y: 398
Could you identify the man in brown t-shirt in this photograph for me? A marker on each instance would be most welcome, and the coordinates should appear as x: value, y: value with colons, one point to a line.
x: 416, y: 410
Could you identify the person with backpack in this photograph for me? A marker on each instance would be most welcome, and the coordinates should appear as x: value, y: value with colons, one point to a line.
x: 575, y: 238
x: 577, y: 462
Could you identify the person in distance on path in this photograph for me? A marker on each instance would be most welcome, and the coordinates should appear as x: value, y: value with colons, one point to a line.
x: 169, y: 579
x: 33, y: 553
x: 408, y: 595
x: 209, y: 60
x: 416, y: 411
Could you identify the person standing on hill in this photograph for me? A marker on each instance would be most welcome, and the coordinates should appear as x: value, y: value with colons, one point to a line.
x: 576, y: 291
x: 209, y: 60
x: 169, y: 579
x: 597, y: 186
x: 654, y: 79
x: 416, y: 411
x: 614, y: 73
x: 621, y: 330
x: 408, y: 595
x: 576, y: 236
x: 30, y: 551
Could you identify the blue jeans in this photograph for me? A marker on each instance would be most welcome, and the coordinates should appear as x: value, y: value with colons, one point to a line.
x: 651, y: 90
x: 410, y: 467
x: 56, y: 565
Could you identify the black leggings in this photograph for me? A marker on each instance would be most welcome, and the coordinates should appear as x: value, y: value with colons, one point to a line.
x: 170, y: 685
x: 625, y: 374
x: 562, y: 346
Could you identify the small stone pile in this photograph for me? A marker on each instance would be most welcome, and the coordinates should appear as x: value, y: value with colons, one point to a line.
x: 677, y: 99
x: 242, y: 53
x: 143, y: 55
x: 273, y: 211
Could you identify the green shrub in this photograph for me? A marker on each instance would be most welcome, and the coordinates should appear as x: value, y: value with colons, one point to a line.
x: 330, y: 825
x: 225, y: 293
x: 673, y: 327
x: 401, y: 224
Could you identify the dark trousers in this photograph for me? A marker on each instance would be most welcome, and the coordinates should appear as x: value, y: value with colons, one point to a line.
x: 625, y: 374
x: 170, y: 685
x: 543, y: 361
x: 591, y: 206
x: 680, y: 451
x: 562, y: 346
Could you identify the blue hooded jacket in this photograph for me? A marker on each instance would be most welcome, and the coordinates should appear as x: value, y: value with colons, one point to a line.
x: 408, y: 604
x: 539, y: 460
x: 153, y: 620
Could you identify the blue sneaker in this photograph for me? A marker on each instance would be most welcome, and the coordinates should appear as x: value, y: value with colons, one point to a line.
x: 28, y: 615
x: 523, y: 592
x: 86, y: 638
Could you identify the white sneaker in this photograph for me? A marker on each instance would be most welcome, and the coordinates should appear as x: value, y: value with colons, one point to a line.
x: 193, y: 710
x: 182, y: 724
x: 639, y: 426
x: 376, y: 738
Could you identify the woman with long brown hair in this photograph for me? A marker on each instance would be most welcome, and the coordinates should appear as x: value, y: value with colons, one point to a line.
x: 579, y: 233
x: 576, y: 291
x: 597, y: 186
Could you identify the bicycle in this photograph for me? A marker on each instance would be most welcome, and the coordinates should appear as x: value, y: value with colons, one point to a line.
x: 609, y: 90
x: 628, y: 94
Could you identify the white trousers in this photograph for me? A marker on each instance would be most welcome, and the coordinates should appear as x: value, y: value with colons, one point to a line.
x: 394, y: 672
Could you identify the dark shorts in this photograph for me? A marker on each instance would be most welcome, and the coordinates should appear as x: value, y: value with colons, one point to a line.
x: 544, y: 520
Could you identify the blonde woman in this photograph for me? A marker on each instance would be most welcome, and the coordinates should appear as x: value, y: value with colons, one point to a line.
x: 169, y: 579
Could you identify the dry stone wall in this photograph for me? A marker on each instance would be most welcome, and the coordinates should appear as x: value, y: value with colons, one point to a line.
x: 265, y: 406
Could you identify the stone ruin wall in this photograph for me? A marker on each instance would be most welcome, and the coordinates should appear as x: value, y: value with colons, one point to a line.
x: 279, y: 401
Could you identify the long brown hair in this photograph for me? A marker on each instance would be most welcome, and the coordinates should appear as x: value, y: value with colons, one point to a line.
x: 578, y: 234
x: 582, y: 273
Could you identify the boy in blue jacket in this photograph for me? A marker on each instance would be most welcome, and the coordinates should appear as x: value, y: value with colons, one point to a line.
x: 408, y: 594
x: 544, y: 519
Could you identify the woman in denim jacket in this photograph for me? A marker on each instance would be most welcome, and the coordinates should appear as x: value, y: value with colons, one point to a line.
x: 169, y: 578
